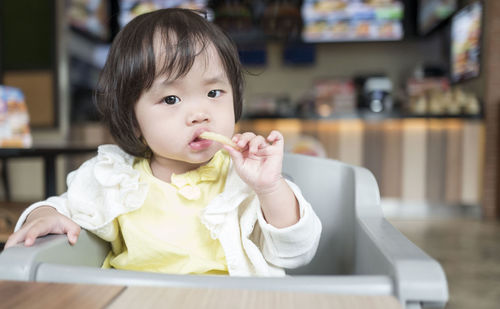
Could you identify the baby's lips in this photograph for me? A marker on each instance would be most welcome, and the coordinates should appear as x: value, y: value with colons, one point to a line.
x: 198, y: 132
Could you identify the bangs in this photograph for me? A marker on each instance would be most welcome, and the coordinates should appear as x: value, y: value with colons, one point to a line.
x: 174, y: 57
x: 171, y: 47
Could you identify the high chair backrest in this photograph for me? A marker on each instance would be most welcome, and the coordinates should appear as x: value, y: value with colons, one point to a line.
x: 329, y: 186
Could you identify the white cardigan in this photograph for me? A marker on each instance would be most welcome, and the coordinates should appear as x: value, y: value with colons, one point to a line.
x: 107, y: 186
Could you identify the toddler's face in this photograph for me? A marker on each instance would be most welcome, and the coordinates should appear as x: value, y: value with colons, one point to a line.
x: 172, y: 113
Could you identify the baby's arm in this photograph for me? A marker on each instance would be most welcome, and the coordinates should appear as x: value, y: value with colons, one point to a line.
x: 259, y: 164
x: 42, y: 221
x: 279, y: 205
x: 292, y: 246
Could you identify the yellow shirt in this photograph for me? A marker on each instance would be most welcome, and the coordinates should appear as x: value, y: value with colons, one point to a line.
x: 166, y: 235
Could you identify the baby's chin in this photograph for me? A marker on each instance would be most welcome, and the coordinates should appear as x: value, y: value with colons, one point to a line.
x: 202, y: 156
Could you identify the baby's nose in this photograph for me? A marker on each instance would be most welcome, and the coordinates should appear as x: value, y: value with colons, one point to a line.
x: 198, y: 117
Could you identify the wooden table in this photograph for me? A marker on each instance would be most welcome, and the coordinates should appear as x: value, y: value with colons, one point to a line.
x: 53, y: 295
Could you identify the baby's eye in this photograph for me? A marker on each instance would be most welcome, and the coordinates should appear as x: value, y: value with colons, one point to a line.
x: 214, y: 93
x: 171, y: 99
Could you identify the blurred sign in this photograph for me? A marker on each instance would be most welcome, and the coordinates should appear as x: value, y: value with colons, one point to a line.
x: 14, y: 119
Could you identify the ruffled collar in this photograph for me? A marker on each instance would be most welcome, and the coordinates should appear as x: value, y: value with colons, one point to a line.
x: 187, y: 184
x: 209, y: 172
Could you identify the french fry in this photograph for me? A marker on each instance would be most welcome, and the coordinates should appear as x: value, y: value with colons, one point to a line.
x: 219, y: 138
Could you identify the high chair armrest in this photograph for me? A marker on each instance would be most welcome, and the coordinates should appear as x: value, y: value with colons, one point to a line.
x: 20, y: 262
x: 382, y: 249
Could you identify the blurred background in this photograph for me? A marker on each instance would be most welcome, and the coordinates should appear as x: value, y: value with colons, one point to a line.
x: 409, y: 89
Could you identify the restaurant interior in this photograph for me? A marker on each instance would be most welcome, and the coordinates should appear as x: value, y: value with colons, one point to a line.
x: 409, y: 89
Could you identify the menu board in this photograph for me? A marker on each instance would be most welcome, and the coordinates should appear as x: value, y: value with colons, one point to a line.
x: 466, y: 42
x: 133, y: 8
x: 90, y: 17
x: 351, y: 20
x: 432, y: 12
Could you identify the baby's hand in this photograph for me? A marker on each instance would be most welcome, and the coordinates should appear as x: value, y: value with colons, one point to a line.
x: 43, y: 221
x: 260, y: 160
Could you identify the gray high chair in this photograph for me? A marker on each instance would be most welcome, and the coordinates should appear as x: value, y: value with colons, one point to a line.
x: 360, y: 252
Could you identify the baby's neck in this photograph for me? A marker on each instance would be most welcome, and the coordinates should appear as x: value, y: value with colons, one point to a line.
x: 164, y: 168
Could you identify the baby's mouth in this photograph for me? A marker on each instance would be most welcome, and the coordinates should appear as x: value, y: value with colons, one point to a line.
x: 197, y: 139
x: 198, y: 143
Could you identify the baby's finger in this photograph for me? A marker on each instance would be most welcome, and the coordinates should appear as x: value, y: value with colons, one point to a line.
x: 72, y: 230
x: 35, y: 231
x: 16, y: 238
x: 244, y: 139
x: 236, y: 138
x: 256, y: 143
x: 266, y: 151
x: 30, y: 239
x: 26, y: 234
x: 235, y: 155
x: 275, y: 137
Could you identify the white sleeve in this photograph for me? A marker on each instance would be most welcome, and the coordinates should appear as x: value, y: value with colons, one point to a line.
x: 103, y: 188
x: 295, y: 245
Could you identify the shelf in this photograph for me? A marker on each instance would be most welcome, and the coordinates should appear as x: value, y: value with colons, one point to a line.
x: 369, y: 116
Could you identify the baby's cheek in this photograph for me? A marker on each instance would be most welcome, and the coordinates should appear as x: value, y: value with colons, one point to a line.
x: 228, y: 130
